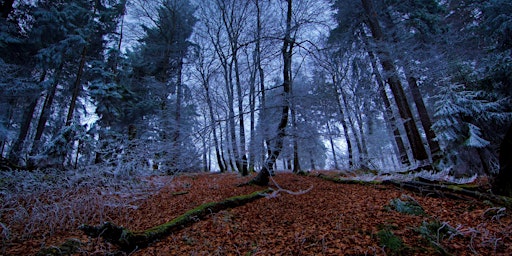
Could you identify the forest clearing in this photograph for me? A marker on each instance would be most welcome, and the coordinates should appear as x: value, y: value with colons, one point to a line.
x: 320, y: 217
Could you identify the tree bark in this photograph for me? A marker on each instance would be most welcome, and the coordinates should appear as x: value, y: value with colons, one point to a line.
x: 77, y: 87
x: 418, y: 149
x: 17, y: 148
x: 502, y: 183
x: 213, y: 122
x: 28, y: 115
x: 260, y: 72
x: 388, y: 112
x: 344, y: 124
x: 176, y: 155
x: 336, y: 167
x: 276, y: 144
x: 295, y: 137
x: 45, y: 112
x: 243, y: 157
x: 424, y: 118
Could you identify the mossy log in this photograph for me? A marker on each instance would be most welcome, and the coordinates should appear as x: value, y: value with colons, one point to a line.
x: 454, y: 191
x: 128, y: 240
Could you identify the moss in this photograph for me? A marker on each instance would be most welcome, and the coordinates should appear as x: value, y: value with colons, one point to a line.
x: 129, y: 240
x: 390, y: 242
x: 408, y: 206
x: 455, y: 187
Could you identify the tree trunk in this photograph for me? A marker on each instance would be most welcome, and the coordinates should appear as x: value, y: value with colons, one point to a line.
x: 295, y: 137
x: 45, y: 112
x: 28, y: 115
x: 17, y: 148
x: 363, y: 153
x: 213, y: 123
x: 424, y: 118
x: 231, y: 116
x: 77, y: 87
x: 257, y: 69
x: 388, y: 112
x: 176, y: 154
x: 336, y: 167
x: 502, y: 183
x: 418, y: 149
x: 242, y: 162
x: 263, y: 101
x: 221, y: 148
x: 232, y: 26
x: 344, y: 124
x: 276, y: 145
x: 252, y: 115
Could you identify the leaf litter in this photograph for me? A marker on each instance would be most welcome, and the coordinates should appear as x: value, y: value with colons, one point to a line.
x: 327, y: 219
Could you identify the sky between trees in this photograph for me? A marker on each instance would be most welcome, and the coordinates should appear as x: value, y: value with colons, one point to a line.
x: 243, y: 85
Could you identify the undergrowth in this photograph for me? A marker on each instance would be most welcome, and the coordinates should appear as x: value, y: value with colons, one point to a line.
x: 40, y: 203
x: 391, y: 243
x: 406, y: 205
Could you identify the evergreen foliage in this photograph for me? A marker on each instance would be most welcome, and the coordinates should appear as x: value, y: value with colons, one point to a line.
x: 77, y: 88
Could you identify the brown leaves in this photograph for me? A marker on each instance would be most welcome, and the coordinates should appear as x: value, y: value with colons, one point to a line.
x: 331, y: 219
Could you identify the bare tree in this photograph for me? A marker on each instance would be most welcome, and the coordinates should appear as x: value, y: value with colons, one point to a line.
x: 276, y: 145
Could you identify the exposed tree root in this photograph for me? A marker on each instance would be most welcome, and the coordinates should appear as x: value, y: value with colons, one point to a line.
x: 129, y: 241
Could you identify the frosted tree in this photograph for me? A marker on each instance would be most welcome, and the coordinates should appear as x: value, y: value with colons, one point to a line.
x: 159, y: 63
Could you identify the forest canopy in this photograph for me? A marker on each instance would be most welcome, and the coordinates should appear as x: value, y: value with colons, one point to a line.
x: 227, y: 85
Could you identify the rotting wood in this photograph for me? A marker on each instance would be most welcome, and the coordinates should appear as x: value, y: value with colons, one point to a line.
x: 129, y: 241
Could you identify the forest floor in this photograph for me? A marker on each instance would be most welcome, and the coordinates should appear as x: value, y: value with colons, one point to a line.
x: 329, y: 219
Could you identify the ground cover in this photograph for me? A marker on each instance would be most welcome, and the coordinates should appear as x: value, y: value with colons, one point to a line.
x: 328, y: 218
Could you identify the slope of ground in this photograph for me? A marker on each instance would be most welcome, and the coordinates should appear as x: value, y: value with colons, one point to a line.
x: 330, y: 219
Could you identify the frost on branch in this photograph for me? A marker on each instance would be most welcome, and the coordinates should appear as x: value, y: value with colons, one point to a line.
x: 275, y: 193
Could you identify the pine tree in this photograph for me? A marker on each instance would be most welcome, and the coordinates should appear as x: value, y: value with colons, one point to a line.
x: 161, y: 58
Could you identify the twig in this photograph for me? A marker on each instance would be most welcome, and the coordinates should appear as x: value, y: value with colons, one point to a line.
x: 280, y: 189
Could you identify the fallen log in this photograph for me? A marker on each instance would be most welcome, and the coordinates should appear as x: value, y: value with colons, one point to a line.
x: 453, y: 191
x: 129, y: 241
x: 347, y: 181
